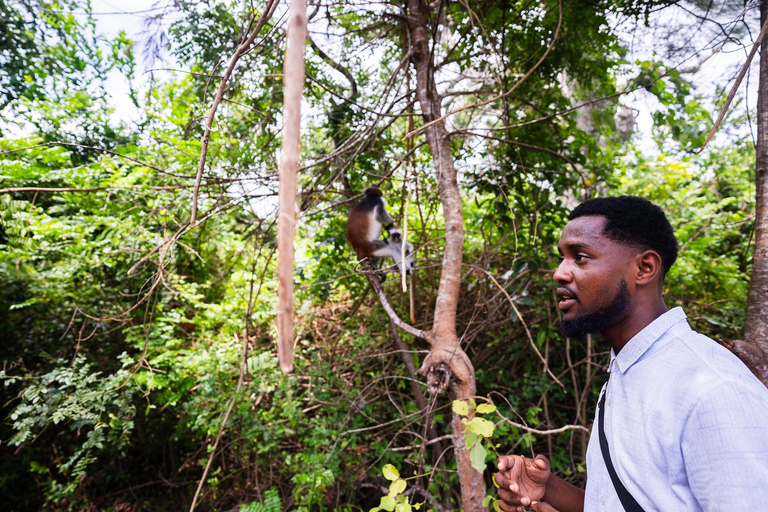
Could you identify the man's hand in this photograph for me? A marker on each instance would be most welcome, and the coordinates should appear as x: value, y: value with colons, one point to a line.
x: 543, y: 507
x: 522, y: 481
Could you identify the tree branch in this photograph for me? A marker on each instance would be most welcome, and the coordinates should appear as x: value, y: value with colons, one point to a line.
x: 269, y: 9
x: 384, y: 300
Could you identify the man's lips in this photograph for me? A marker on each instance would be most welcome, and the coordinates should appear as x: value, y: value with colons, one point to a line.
x: 567, y: 298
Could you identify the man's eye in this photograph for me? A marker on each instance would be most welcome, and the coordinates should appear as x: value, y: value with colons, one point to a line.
x: 580, y: 257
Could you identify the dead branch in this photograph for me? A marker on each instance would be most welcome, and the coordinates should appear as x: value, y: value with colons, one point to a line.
x: 289, y: 165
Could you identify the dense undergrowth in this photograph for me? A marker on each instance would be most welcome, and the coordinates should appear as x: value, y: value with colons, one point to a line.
x: 123, y: 331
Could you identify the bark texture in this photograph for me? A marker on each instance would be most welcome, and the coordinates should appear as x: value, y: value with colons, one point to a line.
x: 756, y: 326
x: 446, y: 365
x: 293, y: 78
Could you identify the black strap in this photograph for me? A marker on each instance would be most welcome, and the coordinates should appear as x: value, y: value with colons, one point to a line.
x: 627, y: 501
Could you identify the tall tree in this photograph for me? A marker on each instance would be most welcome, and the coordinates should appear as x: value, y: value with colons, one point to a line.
x: 755, y: 350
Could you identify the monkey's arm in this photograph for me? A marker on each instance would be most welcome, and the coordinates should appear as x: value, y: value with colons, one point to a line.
x: 383, y: 216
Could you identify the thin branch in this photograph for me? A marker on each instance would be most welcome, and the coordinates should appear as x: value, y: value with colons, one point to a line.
x: 502, y: 95
x: 338, y: 67
x: 735, y: 87
x: 269, y: 9
x: 413, y: 331
x: 522, y: 321
x: 92, y: 189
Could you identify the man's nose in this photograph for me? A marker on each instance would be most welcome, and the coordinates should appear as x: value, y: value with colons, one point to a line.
x: 562, y: 275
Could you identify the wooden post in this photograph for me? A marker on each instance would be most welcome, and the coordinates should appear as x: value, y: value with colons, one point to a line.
x: 293, y: 89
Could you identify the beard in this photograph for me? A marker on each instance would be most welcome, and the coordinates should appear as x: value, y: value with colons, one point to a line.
x: 605, y: 316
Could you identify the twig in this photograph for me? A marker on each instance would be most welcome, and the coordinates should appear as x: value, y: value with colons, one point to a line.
x: 522, y: 321
x: 413, y: 331
x: 502, y: 95
x: 736, y: 85
x: 241, y: 48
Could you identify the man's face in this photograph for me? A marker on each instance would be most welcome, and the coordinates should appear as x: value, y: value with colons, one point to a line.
x: 592, y: 278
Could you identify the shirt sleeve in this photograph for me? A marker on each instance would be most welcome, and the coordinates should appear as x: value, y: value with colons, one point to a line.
x: 725, y: 448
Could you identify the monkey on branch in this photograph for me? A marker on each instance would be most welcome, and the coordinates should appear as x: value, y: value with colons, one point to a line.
x: 364, y: 225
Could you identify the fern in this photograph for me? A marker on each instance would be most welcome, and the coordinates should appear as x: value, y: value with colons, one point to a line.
x: 272, y: 503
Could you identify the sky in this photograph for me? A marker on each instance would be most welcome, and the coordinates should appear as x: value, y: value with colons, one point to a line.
x: 111, y: 17
x: 720, y: 69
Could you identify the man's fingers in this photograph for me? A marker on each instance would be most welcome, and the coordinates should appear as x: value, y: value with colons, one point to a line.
x: 513, y: 498
x: 510, y: 508
x: 543, y: 507
x: 541, y: 462
x: 506, y: 462
x: 504, y: 480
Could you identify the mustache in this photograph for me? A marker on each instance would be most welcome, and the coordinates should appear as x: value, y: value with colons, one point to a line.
x: 565, y: 289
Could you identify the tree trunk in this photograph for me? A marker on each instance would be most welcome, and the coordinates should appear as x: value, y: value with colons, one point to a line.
x: 446, y: 359
x: 756, y: 325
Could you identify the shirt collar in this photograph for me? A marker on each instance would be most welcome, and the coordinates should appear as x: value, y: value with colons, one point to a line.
x: 642, y: 341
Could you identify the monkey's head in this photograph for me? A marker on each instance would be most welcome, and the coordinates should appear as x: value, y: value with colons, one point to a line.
x: 396, y: 241
x: 373, y: 191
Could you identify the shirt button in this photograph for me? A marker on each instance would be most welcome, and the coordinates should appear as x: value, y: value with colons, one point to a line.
x: 609, y: 402
x: 602, y: 500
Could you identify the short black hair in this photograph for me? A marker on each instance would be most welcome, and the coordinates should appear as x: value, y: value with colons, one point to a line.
x: 634, y: 221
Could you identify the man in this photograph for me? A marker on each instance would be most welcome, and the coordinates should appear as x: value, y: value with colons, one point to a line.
x: 685, y: 422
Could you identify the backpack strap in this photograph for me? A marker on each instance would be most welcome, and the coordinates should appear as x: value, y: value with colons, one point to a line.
x: 627, y: 501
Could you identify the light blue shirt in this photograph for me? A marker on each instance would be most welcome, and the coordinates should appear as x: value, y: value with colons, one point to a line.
x: 686, y: 423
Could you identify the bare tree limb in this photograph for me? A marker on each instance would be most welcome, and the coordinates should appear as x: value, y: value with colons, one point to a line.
x: 735, y: 87
x: 269, y: 10
x: 338, y: 67
x: 391, y: 313
x: 289, y: 165
x: 522, y: 321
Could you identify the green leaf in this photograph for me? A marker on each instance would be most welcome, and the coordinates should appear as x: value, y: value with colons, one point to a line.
x: 486, y: 500
x: 469, y: 440
x: 390, y: 472
x: 387, y: 503
x: 481, y: 426
x: 460, y: 407
x: 477, y: 457
x: 496, y: 506
x: 485, y: 408
x: 397, y: 487
x: 403, y: 507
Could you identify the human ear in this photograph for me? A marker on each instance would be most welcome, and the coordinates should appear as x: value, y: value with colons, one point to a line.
x: 648, y: 267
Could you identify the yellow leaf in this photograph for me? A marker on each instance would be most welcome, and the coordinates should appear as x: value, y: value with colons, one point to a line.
x: 481, y: 427
x: 387, y: 503
x: 460, y: 407
x: 390, y: 472
x: 397, y: 487
x: 485, y: 408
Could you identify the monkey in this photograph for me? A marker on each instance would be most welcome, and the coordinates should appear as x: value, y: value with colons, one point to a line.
x: 364, y: 225
x: 395, y: 242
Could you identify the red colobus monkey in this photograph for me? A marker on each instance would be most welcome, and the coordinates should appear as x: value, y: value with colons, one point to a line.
x: 364, y: 225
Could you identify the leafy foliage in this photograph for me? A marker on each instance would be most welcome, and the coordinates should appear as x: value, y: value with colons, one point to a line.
x: 124, y: 330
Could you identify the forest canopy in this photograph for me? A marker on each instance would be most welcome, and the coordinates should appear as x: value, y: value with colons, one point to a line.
x: 139, y: 350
